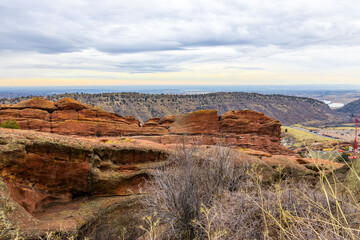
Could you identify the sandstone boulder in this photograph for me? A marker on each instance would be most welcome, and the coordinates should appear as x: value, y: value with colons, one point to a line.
x: 132, y: 120
x: 152, y: 122
x: 203, y: 122
x: 246, y: 121
x: 69, y: 104
x: 167, y: 121
x: 36, y: 103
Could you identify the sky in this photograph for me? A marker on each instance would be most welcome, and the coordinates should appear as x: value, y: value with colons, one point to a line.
x: 203, y: 42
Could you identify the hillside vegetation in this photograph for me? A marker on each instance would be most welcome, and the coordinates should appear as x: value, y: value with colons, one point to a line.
x: 302, y: 138
x: 287, y: 109
x: 351, y: 109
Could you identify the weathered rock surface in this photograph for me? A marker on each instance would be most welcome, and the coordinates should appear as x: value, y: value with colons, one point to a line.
x: 46, y: 168
x: 68, y: 117
x: 53, y: 182
x: 247, y: 129
x: 50, y: 176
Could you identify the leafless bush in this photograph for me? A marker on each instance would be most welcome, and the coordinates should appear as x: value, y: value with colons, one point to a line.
x: 192, y: 178
x: 208, y: 194
x: 284, y: 211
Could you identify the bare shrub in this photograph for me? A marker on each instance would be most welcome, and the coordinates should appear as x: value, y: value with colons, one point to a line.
x: 203, y: 194
x: 285, y: 210
x: 194, y: 177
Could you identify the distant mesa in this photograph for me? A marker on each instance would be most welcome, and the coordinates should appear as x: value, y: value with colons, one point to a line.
x: 244, y: 128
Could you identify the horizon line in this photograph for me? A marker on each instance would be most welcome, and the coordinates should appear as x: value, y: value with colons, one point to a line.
x: 109, y: 85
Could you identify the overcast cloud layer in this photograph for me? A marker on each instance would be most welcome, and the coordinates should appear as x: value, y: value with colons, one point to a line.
x: 165, y: 42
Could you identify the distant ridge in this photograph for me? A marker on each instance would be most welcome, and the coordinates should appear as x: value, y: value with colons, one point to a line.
x: 350, y: 109
x: 287, y: 109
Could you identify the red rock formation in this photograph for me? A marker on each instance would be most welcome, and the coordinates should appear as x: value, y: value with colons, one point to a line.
x: 132, y: 120
x: 36, y: 103
x: 152, y: 127
x: 69, y: 117
x: 50, y: 176
x: 69, y: 104
x: 167, y: 121
x: 246, y: 121
x: 204, y: 122
x: 247, y: 129
x: 42, y: 168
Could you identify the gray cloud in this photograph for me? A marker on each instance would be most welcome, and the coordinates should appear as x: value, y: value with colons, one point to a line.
x: 172, y: 32
x: 119, y: 26
x: 35, y: 41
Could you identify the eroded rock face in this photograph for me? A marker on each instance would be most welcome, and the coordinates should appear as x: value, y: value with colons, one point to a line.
x: 68, y: 117
x: 246, y: 129
x: 56, y: 182
x: 204, y: 122
x: 53, y: 182
x: 42, y: 169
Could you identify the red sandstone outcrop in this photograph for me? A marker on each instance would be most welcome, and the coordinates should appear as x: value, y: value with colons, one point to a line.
x: 42, y: 169
x: 246, y: 129
x: 46, y: 178
x: 167, y: 121
x: 204, y: 122
x: 68, y: 117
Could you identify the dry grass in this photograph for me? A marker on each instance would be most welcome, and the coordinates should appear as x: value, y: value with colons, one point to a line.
x: 304, y: 138
x: 285, y: 211
x: 192, y: 179
x: 192, y: 206
x: 207, y: 193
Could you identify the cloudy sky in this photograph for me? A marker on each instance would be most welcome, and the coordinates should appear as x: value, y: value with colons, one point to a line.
x: 114, y: 42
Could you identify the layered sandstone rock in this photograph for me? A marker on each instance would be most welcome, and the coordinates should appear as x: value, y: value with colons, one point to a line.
x: 246, y: 129
x: 40, y: 172
x: 65, y: 183
x: 68, y: 117
x: 45, y: 168
x: 203, y: 122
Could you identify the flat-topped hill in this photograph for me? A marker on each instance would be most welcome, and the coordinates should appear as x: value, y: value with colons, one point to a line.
x: 287, y: 109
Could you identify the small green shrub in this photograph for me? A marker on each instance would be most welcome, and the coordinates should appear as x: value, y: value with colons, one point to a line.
x: 343, y: 158
x: 11, y: 123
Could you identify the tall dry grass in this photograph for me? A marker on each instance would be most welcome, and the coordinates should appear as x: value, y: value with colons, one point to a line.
x: 207, y: 194
x: 193, y: 178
